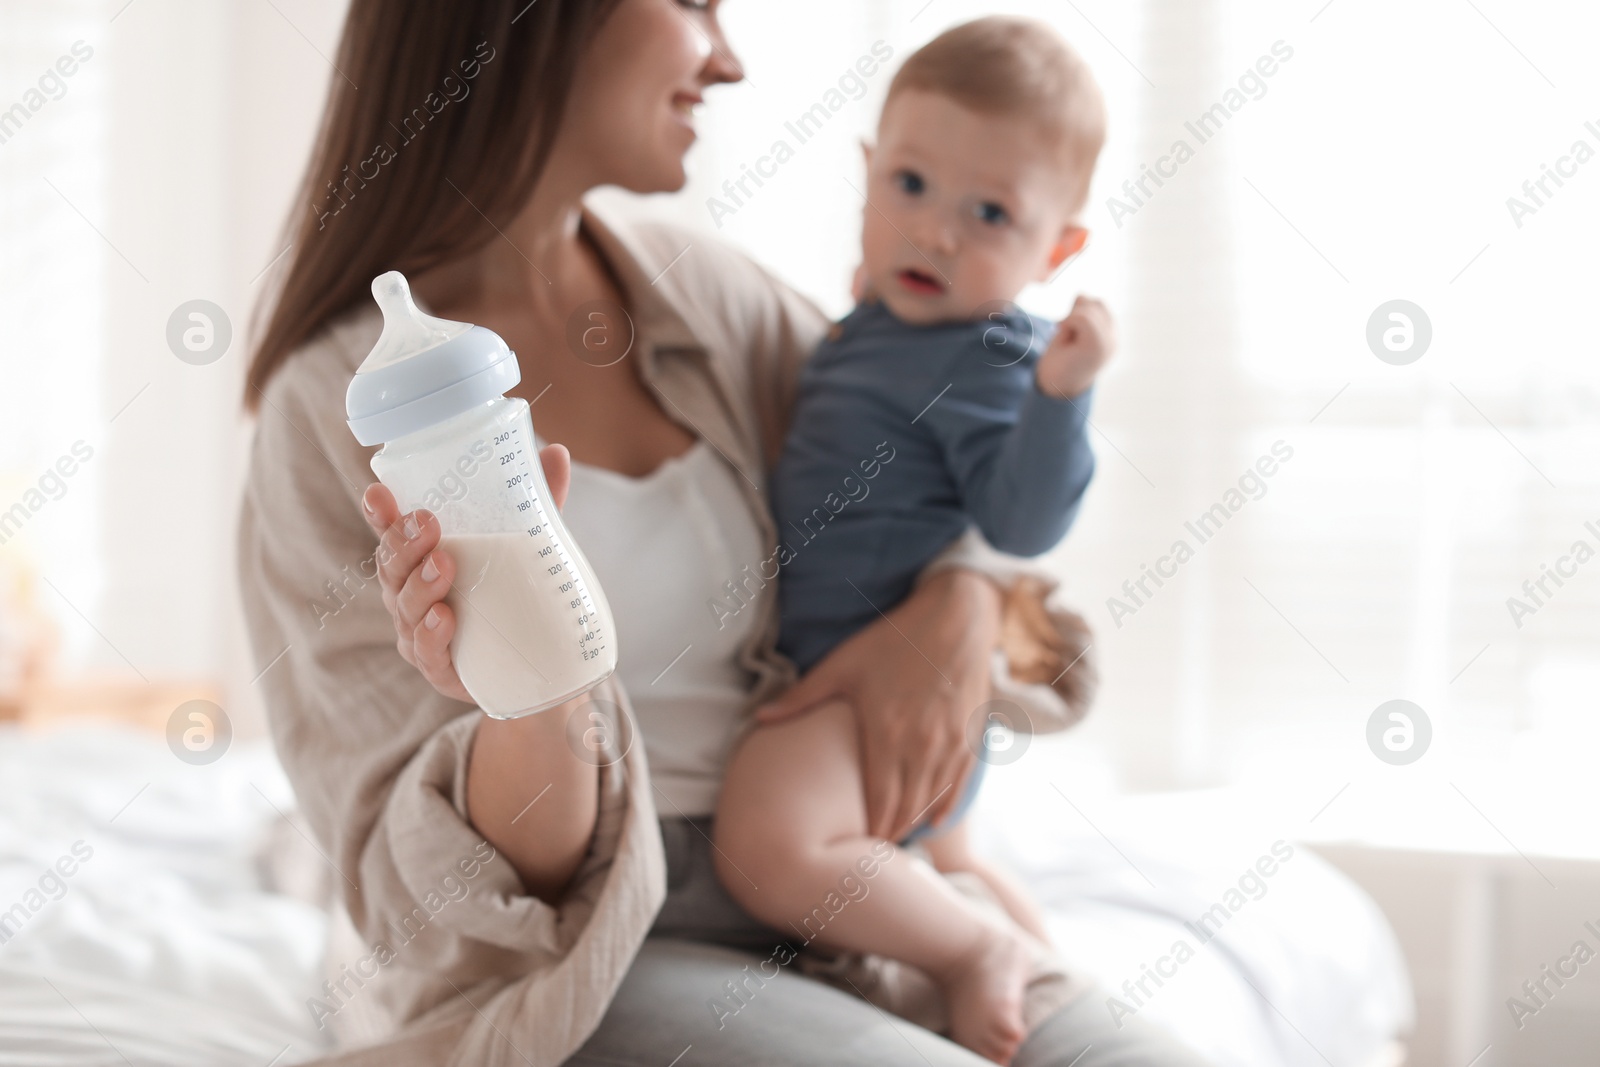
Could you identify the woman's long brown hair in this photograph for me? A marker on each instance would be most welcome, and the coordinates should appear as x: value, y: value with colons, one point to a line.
x: 440, y: 118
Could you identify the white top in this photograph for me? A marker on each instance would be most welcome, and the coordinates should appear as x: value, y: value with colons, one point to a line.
x: 664, y: 547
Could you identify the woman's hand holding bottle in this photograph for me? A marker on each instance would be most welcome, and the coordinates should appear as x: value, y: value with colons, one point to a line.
x: 416, y: 575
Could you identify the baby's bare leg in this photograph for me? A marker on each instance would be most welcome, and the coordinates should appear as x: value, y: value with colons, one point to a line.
x: 951, y: 850
x: 793, y: 850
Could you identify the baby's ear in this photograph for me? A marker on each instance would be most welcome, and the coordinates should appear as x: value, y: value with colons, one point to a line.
x: 1072, y: 241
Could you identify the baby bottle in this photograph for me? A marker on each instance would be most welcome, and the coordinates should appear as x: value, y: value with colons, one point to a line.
x: 533, y: 628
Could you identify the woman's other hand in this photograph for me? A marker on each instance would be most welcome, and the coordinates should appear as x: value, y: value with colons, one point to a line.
x: 416, y: 575
x: 915, y: 678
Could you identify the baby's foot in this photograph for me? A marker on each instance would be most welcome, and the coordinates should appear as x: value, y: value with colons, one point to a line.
x: 984, y: 994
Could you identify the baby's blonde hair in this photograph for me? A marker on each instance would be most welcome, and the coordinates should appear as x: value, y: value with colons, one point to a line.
x: 1016, y: 66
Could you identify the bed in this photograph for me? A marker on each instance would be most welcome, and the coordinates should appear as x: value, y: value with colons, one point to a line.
x: 190, y: 928
x: 172, y: 941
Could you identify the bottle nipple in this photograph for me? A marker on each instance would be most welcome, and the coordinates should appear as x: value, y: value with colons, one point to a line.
x: 407, y: 330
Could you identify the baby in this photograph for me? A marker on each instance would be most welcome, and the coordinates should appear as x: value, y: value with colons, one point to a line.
x: 934, y: 405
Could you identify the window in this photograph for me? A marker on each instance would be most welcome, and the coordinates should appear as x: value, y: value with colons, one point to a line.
x: 52, y: 125
x: 1374, y: 162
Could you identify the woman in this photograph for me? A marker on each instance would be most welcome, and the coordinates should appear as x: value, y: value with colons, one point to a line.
x: 523, y: 900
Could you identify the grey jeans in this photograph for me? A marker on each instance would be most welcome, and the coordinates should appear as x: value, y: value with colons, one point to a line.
x: 665, y: 1011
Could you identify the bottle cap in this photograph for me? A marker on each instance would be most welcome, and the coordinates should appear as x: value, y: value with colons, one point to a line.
x: 423, y: 369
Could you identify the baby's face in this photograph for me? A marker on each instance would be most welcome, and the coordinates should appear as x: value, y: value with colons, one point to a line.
x: 964, y: 209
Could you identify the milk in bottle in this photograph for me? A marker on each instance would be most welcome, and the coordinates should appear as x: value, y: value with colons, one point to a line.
x: 533, y: 628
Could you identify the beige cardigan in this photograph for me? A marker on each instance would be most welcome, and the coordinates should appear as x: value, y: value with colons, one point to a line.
x: 466, y: 967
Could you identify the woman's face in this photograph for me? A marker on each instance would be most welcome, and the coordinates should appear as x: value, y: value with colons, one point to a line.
x: 631, y: 116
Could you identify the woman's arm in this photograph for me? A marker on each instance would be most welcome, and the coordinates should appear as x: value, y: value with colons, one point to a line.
x: 528, y: 791
x: 916, y: 678
x: 532, y: 798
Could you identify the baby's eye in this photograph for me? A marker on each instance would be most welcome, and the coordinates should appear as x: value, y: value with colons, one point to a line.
x: 695, y: 5
x: 910, y: 182
x: 991, y: 213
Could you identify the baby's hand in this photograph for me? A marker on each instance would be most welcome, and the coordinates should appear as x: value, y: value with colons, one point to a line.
x: 1081, y: 345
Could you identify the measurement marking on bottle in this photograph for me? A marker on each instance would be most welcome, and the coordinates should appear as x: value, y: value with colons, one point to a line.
x: 569, y: 578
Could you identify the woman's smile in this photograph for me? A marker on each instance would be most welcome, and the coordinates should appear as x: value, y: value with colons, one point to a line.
x: 684, y: 108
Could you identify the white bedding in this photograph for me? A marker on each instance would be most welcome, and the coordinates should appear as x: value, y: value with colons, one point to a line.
x: 165, y: 948
x: 1306, y: 972
x: 168, y: 948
